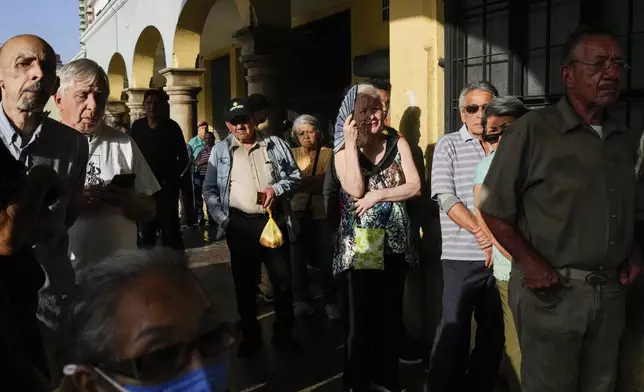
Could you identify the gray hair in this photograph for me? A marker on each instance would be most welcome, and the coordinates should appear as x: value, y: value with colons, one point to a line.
x: 99, y: 290
x: 305, y: 119
x: 86, y: 72
x: 368, y: 90
x: 502, y: 107
x: 481, y: 85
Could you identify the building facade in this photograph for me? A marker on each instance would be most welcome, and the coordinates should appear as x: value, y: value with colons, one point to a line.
x: 301, y: 54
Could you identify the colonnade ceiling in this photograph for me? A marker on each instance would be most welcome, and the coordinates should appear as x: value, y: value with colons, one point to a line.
x: 140, y: 31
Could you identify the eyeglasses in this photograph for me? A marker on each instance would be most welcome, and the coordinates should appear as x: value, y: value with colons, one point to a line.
x: 474, y: 108
x: 605, y: 64
x: 171, y: 360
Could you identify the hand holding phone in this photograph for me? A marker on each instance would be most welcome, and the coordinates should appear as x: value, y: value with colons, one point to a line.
x: 124, y: 180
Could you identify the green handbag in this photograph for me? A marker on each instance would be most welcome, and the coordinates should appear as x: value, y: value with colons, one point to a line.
x: 370, y: 249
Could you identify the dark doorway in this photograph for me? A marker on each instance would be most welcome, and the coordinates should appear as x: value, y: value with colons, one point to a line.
x: 220, y: 85
x: 319, y: 66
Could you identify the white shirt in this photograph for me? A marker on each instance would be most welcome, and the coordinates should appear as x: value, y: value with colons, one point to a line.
x: 599, y: 129
x: 99, y: 234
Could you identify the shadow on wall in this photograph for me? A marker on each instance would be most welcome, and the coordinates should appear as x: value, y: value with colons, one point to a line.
x: 427, y: 283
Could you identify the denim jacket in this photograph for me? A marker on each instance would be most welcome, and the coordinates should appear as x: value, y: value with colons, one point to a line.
x: 216, y: 186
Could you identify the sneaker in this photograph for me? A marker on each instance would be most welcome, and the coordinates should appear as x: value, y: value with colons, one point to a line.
x: 302, y: 309
x: 380, y: 388
x: 248, y: 348
x: 332, y: 312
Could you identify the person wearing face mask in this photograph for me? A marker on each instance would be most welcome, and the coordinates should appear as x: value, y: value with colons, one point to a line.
x: 118, y: 184
x: 468, y: 285
x: 375, y: 246
x: 561, y: 201
x: 499, y: 113
x: 141, y: 323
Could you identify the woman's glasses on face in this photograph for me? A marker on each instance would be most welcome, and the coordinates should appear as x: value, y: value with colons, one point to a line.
x: 171, y: 360
x: 474, y: 108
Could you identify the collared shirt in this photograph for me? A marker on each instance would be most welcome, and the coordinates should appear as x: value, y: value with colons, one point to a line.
x: 216, y: 185
x: 66, y: 151
x: 251, y: 173
x: 569, y: 191
x: 455, y: 159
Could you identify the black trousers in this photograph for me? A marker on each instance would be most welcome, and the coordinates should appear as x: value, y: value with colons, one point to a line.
x: 188, y: 210
x: 21, y: 344
x: 313, y: 247
x: 166, y: 219
x: 372, y: 309
x: 468, y: 287
x: 246, y: 256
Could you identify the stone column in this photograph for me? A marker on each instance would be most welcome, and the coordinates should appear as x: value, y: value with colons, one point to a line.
x: 115, y: 112
x: 260, y: 56
x: 135, y: 103
x: 183, y: 86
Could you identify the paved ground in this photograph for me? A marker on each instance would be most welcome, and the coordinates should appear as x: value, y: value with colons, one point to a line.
x: 318, y: 369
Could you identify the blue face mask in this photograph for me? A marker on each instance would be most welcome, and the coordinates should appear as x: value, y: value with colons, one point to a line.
x: 212, y: 378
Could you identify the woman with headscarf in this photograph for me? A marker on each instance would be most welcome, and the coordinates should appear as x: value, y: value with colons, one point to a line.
x: 374, y: 247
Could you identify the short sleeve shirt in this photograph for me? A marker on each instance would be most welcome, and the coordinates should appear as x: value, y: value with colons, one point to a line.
x: 102, y: 233
x: 455, y: 158
x: 569, y: 191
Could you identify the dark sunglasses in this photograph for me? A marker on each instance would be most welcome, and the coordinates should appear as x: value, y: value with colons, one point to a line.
x: 171, y: 360
x: 474, y: 108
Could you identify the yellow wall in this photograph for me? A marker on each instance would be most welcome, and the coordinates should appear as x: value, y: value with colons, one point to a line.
x: 368, y: 31
x: 417, y: 43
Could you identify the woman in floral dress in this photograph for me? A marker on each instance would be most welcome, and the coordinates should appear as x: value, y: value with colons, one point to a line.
x: 374, y: 246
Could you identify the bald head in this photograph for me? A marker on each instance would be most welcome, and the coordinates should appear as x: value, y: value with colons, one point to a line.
x: 27, y: 73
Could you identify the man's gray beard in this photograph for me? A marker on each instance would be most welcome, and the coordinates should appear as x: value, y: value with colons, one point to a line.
x: 32, y: 106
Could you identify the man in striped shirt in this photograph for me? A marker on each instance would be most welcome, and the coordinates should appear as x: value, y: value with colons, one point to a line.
x: 469, y: 286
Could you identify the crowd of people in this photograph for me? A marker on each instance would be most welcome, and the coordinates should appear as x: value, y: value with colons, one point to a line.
x: 541, y: 215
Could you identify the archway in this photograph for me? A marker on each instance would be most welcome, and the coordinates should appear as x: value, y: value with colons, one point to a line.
x: 117, y: 74
x: 192, y: 20
x: 147, y: 58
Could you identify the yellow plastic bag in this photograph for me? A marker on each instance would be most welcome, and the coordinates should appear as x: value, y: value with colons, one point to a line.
x: 271, y: 235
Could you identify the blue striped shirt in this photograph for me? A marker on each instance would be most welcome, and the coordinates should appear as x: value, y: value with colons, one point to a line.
x: 455, y: 158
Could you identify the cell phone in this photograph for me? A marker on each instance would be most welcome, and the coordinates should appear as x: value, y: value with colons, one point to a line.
x: 261, y: 198
x: 124, y: 180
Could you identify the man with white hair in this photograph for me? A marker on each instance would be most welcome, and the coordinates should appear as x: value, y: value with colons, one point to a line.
x: 119, y: 183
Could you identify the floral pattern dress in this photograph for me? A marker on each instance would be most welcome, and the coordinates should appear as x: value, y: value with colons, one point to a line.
x: 391, y: 216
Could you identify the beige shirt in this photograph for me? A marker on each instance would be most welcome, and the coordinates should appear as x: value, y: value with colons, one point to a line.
x: 305, y: 164
x: 251, y: 173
